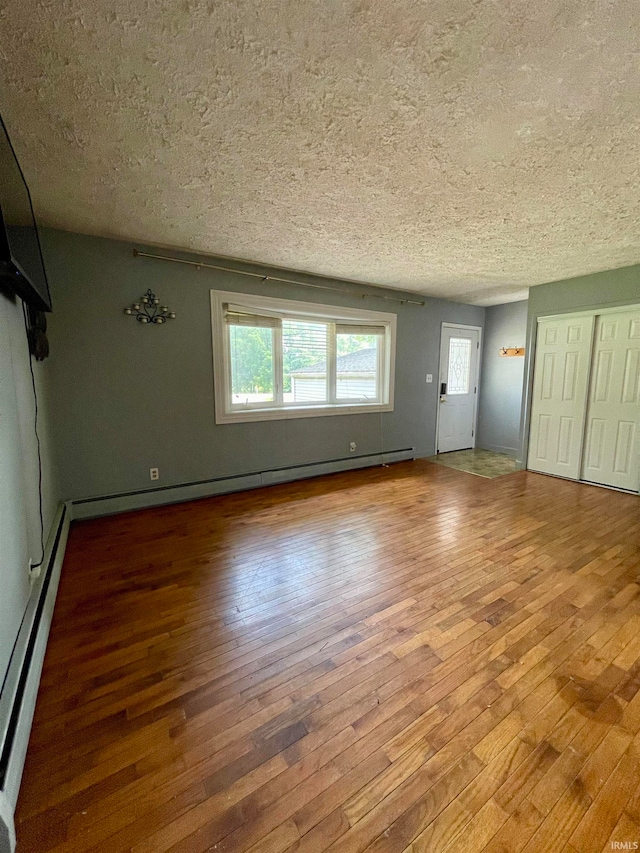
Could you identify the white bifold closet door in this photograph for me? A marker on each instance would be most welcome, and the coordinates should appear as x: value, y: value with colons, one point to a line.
x: 560, y: 387
x: 612, y: 443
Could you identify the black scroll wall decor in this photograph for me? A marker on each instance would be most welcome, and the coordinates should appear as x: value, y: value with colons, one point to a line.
x: 149, y: 310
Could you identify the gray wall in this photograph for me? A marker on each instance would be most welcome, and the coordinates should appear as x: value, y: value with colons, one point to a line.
x: 501, y: 378
x: 600, y: 290
x: 19, y: 505
x: 129, y: 397
x: 7, y: 830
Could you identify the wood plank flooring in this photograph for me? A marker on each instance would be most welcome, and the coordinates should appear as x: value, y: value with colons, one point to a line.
x: 396, y: 660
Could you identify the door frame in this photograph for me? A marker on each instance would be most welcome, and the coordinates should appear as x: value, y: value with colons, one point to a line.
x: 444, y: 325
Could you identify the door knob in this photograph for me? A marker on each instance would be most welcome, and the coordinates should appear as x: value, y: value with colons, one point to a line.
x: 442, y: 400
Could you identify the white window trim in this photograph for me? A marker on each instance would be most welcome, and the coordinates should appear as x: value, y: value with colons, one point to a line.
x: 290, y: 307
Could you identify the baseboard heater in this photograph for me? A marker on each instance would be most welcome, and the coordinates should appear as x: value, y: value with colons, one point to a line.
x: 142, y: 498
x: 19, y: 689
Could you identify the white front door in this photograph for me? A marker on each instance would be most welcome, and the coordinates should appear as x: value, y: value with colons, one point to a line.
x: 559, y: 395
x: 612, y: 446
x: 459, y: 359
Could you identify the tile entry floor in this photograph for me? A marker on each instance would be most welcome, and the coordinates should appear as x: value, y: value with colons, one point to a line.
x: 483, y: 463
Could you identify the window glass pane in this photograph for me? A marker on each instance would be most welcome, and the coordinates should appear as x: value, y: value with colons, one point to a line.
x: 304, y: 360
x: 459, y: 366
x: 251, y: 350
x: 357, y: 366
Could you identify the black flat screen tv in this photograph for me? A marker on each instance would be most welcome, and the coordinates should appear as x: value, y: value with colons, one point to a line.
x: 21, y: 265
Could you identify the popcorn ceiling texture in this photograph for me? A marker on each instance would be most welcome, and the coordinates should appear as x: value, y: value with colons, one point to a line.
x: 459, y: 149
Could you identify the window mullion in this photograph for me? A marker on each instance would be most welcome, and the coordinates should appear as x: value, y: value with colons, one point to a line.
x: 331, y: 363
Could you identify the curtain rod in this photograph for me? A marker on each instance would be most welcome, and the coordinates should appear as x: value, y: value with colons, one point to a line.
x: 198, y: 264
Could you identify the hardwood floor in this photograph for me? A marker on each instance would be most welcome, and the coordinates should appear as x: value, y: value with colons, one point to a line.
x: 397, y: 660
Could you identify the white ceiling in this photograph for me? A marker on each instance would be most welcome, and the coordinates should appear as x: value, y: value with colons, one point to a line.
x: 459, y: 148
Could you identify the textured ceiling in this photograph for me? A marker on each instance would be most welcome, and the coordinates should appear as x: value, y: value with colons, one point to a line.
x: 459, y: 149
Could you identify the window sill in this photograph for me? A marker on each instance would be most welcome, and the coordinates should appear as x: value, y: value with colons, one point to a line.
x: 247, y: 416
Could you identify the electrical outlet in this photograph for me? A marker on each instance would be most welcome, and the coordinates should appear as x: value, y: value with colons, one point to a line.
x: 352, y: 447
x: 154, y: 473
x: 429, y: 377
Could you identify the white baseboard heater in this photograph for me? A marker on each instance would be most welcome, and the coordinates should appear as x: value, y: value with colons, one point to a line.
x: 110, y: 504
x: 20, y: 687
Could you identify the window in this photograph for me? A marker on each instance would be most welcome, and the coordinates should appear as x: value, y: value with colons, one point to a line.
x: 276, y: 358
x: 459, y: 366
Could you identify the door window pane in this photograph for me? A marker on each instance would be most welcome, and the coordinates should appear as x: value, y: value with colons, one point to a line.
x: 459, y: 376
x: 251, y: 350
x: 304, y: 361
x: 357, y: 366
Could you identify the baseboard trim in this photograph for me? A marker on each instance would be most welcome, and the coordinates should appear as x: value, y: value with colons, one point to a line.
x: 20, y: 688
x: 496, y: 448
x: 111, y: 504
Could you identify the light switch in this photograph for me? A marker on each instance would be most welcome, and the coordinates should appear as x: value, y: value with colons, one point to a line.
x: 429, y: 377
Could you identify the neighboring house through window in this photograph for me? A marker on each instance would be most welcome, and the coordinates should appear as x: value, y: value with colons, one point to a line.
x: 356, y: 376
x: 277, y: 358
